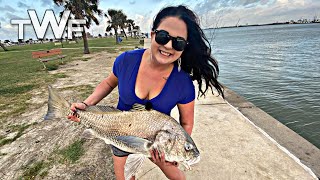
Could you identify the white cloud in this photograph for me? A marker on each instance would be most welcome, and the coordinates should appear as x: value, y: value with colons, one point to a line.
x: 228, y: 13
x: 132, y: 2
x: 7, y: 8
x: 8, y: 26
x: 23, y: 5
x: 144, y: 22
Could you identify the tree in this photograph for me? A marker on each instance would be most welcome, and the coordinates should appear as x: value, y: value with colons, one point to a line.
x: 130, y: 25
x: 123, y: 22
x: 116, y: 20
x: 82, y: 9
x: 135, y: 30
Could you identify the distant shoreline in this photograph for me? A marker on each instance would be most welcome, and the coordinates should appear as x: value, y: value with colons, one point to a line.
x: 269, y: 24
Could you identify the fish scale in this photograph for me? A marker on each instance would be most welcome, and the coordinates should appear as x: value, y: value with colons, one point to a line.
x: 135, y: 131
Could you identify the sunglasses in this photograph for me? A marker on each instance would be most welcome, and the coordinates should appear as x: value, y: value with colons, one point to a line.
x: 163, y: 37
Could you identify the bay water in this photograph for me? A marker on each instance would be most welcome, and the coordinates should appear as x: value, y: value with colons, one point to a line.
x: 277, y: 68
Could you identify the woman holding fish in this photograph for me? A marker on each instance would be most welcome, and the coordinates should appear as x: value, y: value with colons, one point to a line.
x: 161, y: 77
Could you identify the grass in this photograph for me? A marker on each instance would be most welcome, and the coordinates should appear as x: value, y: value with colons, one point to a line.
x: 60, y: 75
x: 37, y: 168
x: 73, y: 152
x: 20, y: 73
x: 84, y: 90
x: 15, y: 128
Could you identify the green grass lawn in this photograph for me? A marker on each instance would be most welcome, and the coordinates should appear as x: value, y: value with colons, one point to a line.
x: 20, y: 73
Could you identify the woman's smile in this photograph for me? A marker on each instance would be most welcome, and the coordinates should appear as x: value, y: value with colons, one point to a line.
x: 164, y: 53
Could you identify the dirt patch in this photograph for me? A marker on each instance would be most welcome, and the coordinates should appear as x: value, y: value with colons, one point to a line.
x: 35, y: 153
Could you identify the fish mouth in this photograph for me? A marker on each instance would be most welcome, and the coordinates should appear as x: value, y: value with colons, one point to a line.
x: 193, y: 160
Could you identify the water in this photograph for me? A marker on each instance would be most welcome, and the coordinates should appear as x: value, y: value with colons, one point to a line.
x: 277, y: 68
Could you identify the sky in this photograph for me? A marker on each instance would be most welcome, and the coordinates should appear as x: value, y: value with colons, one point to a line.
x: 212, y: 13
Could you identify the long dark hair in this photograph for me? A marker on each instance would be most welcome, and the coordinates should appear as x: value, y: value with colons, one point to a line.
x: 196, y: 58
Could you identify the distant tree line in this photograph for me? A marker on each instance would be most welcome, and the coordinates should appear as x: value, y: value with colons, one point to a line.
x: 89, y: 10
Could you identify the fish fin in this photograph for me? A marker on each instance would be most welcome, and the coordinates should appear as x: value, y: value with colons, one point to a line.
x: 88, y: 134
x: 102, y: 109
x: 186, y: 165
x: 133, y: 164
x: 138, y: 144
x: 193, y: 161
x: 138, y: 107
x: 58, y: 107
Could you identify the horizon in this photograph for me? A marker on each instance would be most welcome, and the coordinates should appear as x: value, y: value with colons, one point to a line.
x: 212, y: 13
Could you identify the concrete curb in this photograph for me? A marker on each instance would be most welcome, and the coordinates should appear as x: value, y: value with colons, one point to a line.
x: 306, y: 152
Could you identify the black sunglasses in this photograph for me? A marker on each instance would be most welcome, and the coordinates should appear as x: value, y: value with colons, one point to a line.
x: 163, y: 37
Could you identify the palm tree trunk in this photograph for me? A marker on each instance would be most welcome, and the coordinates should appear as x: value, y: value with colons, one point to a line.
x: 116, y: 34
x: 124, y: 33
x: 85, y: 43
x: 3, y: 47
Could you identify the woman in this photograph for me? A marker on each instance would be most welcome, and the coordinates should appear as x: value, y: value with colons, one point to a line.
x: 162, y: 76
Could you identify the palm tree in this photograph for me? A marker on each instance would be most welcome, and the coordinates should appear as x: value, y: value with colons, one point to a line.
x: 116, y: 20
x: 130, y: 26
x: 136, y: 29
x: 82, y: 9
x: 113, y: 22
x: 123, y: 22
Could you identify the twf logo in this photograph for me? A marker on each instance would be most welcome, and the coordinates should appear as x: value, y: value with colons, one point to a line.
x: 49, y: 17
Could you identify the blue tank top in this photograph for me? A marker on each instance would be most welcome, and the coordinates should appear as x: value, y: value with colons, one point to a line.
x: 178, y: 89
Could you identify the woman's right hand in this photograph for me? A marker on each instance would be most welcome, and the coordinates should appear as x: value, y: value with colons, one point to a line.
x: 74, y: 107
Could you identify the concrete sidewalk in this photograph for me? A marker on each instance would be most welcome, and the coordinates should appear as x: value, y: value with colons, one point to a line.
x: 232, y: 147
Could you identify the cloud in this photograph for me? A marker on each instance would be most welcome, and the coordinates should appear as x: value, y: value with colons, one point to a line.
x: 132, y: 2
x: 23, y: 5
x: 229, y: 12
x: 144, y: 21
x: 214, y: 5
x: 45, y: 3
x: 7, y: 8
x: 10, y: 16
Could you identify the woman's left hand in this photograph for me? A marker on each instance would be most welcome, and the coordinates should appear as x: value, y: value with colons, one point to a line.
x: 159, y: 159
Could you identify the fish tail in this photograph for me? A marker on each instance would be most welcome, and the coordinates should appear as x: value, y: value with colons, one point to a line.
x: 58, y: 107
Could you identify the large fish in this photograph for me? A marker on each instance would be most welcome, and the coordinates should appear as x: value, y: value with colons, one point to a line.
x: 136, y: 131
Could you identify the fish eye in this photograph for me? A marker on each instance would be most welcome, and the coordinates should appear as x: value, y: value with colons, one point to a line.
x: 188, y: 146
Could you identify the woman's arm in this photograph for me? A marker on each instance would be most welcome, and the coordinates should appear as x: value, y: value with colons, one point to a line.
x: 101, y: 91
x: 186, y: 112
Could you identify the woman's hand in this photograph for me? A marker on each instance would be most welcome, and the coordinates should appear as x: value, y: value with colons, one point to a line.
x: 74, y: 107
x: 159, y: 159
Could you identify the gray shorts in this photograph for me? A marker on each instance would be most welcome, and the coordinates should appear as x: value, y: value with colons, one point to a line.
x: 118, y: 152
